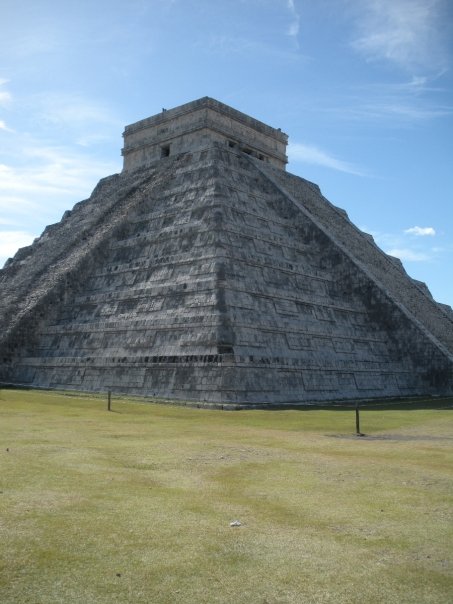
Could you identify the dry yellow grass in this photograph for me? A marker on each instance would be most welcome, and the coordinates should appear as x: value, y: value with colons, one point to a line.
x: 135, y: 506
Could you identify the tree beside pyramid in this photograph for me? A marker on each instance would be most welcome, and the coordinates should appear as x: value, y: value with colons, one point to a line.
x: 206, y: 272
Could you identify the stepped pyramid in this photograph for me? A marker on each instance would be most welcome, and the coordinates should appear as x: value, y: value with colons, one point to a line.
x: 206, y: 272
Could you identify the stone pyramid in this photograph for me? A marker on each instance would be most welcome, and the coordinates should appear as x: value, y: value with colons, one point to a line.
x: 206, y: 272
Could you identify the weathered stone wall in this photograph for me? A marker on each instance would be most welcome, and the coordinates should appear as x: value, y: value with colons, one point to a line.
x: 42, y: 276
x: 387, y: 271
x: 197, y: 125
x: 204, y: 277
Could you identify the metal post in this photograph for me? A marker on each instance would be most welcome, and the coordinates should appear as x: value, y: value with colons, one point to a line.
x: 109, y: 401
x: 357, y: 420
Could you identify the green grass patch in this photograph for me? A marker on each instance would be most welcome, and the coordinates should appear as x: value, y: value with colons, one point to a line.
x: 135, y: 505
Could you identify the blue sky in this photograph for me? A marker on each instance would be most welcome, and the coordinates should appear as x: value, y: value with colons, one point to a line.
x: 363, y: 88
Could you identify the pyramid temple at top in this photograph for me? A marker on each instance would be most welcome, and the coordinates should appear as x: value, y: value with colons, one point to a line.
x: 206, y: 272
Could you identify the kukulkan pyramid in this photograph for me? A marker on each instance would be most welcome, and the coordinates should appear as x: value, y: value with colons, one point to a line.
x: 206, y: 272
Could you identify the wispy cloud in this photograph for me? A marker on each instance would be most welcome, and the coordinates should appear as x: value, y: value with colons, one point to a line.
x: 27, y: 180
x: 227, y: 45
x: 408, y: 254
x: 405, y: 32
x: 4, y: 127
x: 36, y: 192
x: 293, y: 29
x: 62, y: 108
x: 383, y: 239
x: 11, y: 241
x: 53, y: 170
x: 86, y: 121
x: 46, y: 182
x: 308, y: 154
x: 5, y: 98
x: 408, y: 249
x: 415, y: 100
x: 5, y: 102
x: 399, y: 109
x: 43, y: 174
x: 5, y: 95
x: 421, y: 231
x: 7, y: 222
x: 419, y: 84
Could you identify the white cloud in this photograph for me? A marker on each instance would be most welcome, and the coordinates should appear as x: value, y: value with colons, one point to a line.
x: 36, y: 192
x: 405, y: 32
x: 3, y: 126
x: 417, y: 113
x: 5, y: 98
x: 309, y: 154
x: 385, y: 240
x: 5, y: 95
x: 84, y: 121
x: 419, y: 84
x: 400, y: 109
x: 408, y: 254
x: 46, y: 182
x: 11, y: 241
x: 396, y: 244
x: 19, y: 206
x: 5, y: 101
x: 7, y: 222
x: 73, y: 117
x: 39, y: 178
x: 50, y: 178
x: 416, y: 99
x: 53, y: 170
x: 293, y: 29
x: 421, y: 231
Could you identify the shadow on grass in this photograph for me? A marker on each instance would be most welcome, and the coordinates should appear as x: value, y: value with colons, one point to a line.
x: 410, y: 403
x: 365, y: 405
x: 391, y: 437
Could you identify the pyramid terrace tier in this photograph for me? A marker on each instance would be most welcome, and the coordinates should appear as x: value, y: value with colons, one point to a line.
x: 217, y: 379
x: 213, y: 276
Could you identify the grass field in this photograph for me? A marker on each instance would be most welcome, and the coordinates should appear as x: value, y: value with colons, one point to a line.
x: 134, y: 505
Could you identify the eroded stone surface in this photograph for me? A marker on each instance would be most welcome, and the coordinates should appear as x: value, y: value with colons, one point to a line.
x: 212, y: 275
x: 197, y: 125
